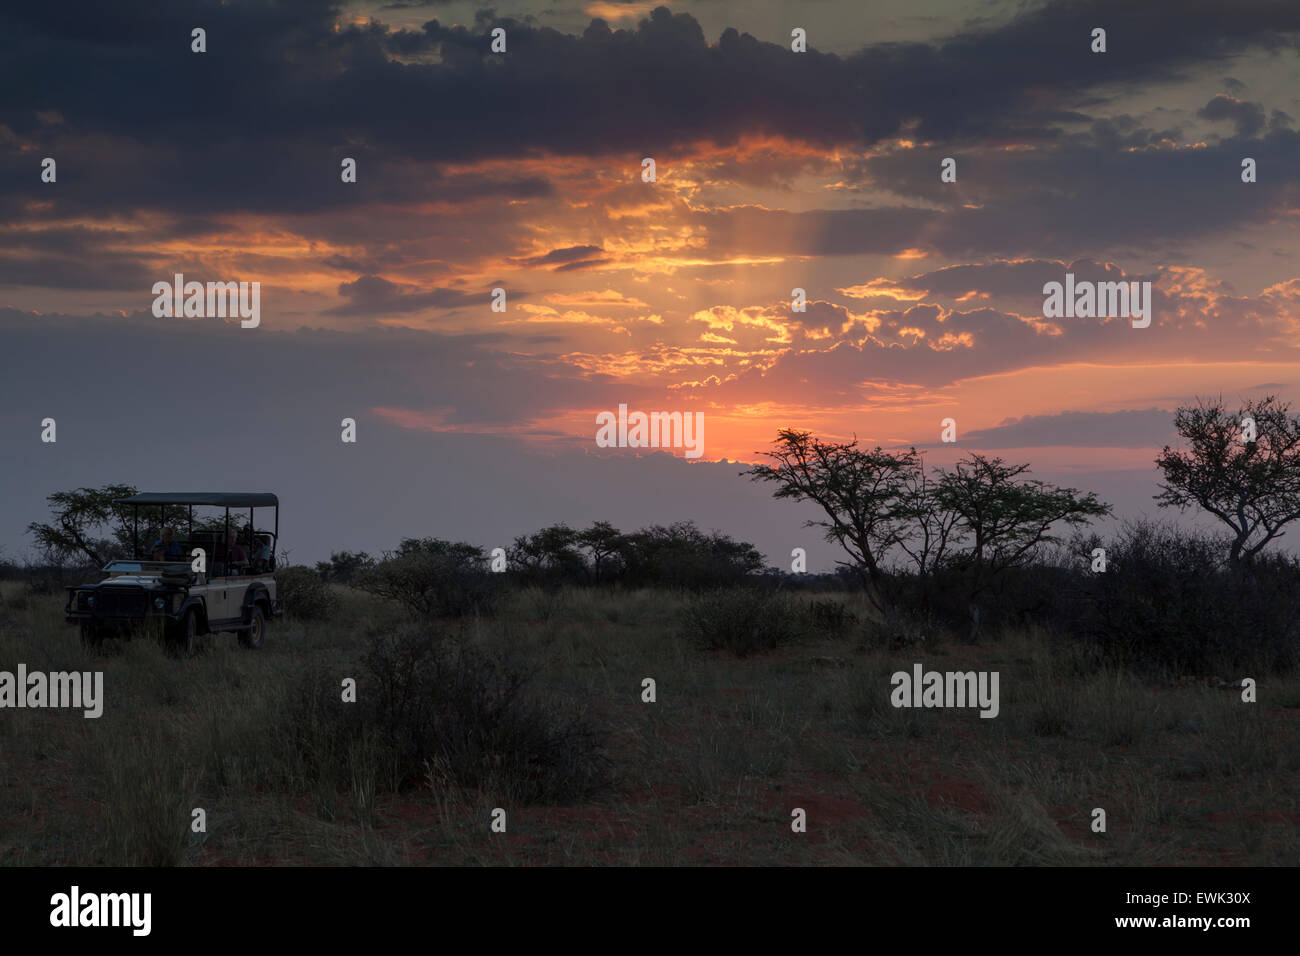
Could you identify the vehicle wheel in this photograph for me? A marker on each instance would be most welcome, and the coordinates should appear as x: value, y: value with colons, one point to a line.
x: 254, y: 635
x: 91, y: 637
x: 185, y: 639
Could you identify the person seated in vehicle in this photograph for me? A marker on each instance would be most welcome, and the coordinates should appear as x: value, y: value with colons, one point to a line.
x: 233, y: 557
x: 167, y: 548
x: 262, y: 553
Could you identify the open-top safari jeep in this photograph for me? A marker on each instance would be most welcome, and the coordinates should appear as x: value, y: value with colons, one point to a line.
x: 217, y: 577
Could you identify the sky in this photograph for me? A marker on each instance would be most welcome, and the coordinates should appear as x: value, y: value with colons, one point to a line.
x: 522, y: 170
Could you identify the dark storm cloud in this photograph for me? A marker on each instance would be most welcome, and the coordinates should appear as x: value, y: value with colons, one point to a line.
x: 72, y: 258
x: 261, y: 122
x: 264, y: 115
x: 1099, y: 190
x: 584, y: 264
x: 210, y: 176
x: 104, y: 271
x: 1248, y: 118
x: 564, y: 256
x: 1131, y: 428
x: 376, y: 296
x: 469, y: 379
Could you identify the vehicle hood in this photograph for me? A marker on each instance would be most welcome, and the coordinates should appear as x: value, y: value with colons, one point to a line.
x: 132, y: 580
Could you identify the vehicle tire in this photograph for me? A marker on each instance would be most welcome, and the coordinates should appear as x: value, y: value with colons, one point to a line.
x: 254, y: 636
x: 91, y: 637
x: 186, y: 638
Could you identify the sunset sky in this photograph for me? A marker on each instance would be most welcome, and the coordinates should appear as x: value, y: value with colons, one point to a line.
x: 775, y: 170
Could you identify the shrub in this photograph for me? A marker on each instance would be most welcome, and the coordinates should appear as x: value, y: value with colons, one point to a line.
x: 344, y: 566
x: 433, y: 711
x: 43, y: 584
x: 320, y: 729
x: 433, y: 578
x: 681, y: 555
x: 742, y: 620
x: 547, y: 558
x: 1167, y: 602
x: 302, y: 593
x: 52, y: 577
x: 831, y: 617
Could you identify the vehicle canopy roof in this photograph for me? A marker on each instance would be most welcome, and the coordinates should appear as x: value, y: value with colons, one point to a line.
x: 219, y: 499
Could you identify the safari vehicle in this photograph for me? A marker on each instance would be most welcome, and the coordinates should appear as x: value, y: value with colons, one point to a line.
x: 198, y: 585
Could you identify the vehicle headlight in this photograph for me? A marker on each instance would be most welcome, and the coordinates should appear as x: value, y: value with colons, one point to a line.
x: 159, y: 603
x: 90, y: 600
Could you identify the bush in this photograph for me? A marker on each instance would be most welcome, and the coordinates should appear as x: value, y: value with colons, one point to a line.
x: 682, y: 556
x: 42, y: 584
x: 831, y: 617
x: 1019, y: 596
x: 1167, y: 603
x: 548, y: 558
x: 303, y: 594
x: 453, y: 715
x: 320, y: 730
x: 432, y: 578
x: 742, y: 620
x: 344, y: 566
x: 52, y: 578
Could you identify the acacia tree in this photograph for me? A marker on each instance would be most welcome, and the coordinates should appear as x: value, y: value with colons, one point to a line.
x: 551, y: 552
x: 602, y: 542
x: 862, y: 493
x: 1252, y: 486
x: 1001, y: 519
x: 81, y: 520
x: 931, y: 531
x: 979, y: 520
x: 344, y: 566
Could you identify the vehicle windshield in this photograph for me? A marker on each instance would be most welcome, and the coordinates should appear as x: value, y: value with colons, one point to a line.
x: 140, y: 565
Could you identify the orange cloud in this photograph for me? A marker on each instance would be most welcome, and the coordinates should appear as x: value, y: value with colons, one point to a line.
x: 621, y: 11
x: 884, y: 287
x: 594, y: 300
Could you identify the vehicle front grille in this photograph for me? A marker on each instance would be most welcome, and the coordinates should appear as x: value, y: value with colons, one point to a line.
x: 121, y: 602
